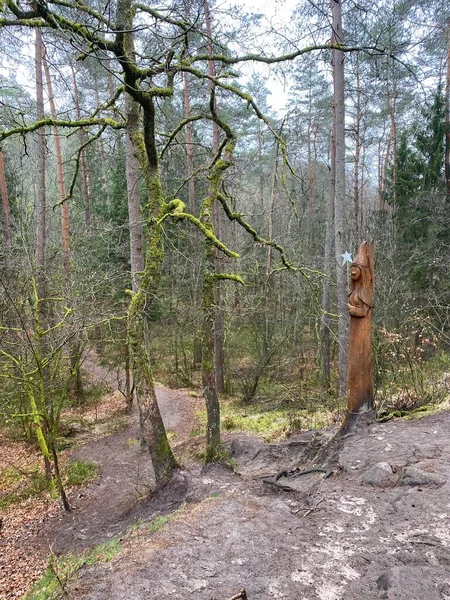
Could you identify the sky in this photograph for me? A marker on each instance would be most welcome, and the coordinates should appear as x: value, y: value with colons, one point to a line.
x: 278, y: 13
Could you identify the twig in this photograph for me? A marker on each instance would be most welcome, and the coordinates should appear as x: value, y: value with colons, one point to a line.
x: 314, y: 507
x: 241, y: 595
x: 280, y: 486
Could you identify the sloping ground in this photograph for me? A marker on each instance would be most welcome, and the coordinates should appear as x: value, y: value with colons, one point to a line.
x: 331, y: 538
x: 31, y: 530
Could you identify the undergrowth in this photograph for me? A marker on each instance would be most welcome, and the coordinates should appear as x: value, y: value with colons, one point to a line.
x: 61, y: 571
x: 80, y: 472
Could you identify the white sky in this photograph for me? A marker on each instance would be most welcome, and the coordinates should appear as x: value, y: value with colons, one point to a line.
x: 278, y: 12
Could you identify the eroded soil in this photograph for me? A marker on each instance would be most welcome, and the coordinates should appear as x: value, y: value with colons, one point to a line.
x: 332, y: 538
x: 328, y: 538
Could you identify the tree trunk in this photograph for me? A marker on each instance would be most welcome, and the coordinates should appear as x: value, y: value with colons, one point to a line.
x: 268, y: 290
x: 447, y: 118
x: 133, y: 192
x: 153, y: 433
x: 356, y: 163
x: 219, y: 316
x: 197, y: 358
x: 60, y: 173
x: 83, y: 161
x: 339, y: 192
x: 41, y: 234
x: 189, y: 146
x: 394, y: 147
x: 328, y: 269
x: 7, y: 236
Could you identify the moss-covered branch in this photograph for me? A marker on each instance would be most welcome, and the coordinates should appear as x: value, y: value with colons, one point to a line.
x: 178, y: 128
x: 48, y: 121
x: 77, y: 166
x: 271, y: 60
x: 228, y: 277
x: 204, y: 230
x: 82, y: 6
x: 184, y: 25
x: 234, y: 216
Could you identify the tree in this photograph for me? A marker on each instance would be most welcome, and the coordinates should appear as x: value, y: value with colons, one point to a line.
x: 339, y: 189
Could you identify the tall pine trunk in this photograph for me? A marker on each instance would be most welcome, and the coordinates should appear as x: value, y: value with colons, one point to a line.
x: 65, y: 239
x: 328, y: 268
x: 197, y: 358
x: 447, y: 117
x: 41, y: 233
x: 7, y: 235
x: 83, y: 161
x: 339, y: 192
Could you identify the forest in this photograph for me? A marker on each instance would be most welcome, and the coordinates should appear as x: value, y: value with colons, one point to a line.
x: 183, y: 188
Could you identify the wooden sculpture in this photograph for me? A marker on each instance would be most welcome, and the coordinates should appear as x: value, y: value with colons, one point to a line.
x: 360, y: 302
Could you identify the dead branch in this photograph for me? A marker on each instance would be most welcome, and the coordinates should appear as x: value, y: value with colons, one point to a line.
x: 241, y: 595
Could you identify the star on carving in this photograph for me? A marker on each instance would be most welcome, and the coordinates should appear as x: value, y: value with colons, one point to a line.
x: 347, y: 257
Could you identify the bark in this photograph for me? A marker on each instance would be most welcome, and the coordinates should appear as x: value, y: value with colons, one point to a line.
x: 447, y: 119
x: 83, y: 161
x: 153, y: 433
x: 133, y: 193
x: 339, y: 192
x: 213, y: 445
x: 261, y: 171
x: 65, y: 238
x: 41, y: 234
x: 192, y: 209
x: 189, y: 146
x: 219, y: 316
x: 7, y: 235
x: 328, y: 268
x: 208, y: 354
x: 394, y: 146
x: 267, y: 284
x: 356, y: 163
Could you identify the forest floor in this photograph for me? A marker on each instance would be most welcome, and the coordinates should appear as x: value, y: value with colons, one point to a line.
x: 377, y: 528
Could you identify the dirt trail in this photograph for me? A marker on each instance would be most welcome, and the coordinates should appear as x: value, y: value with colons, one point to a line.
x: 378, y: 528
x: 108, y: 505
x: 340, y: 538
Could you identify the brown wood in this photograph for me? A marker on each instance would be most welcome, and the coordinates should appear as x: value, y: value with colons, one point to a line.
x: 360, y: 302
x: 41, y: 209
x: 65, y: 237
x: 447, y: 117
x: 83, y: 159
x: 219, y: 335
x: 7, y: 235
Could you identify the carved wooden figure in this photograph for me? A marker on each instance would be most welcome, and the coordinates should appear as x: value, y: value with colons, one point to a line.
x: 360, y: 302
